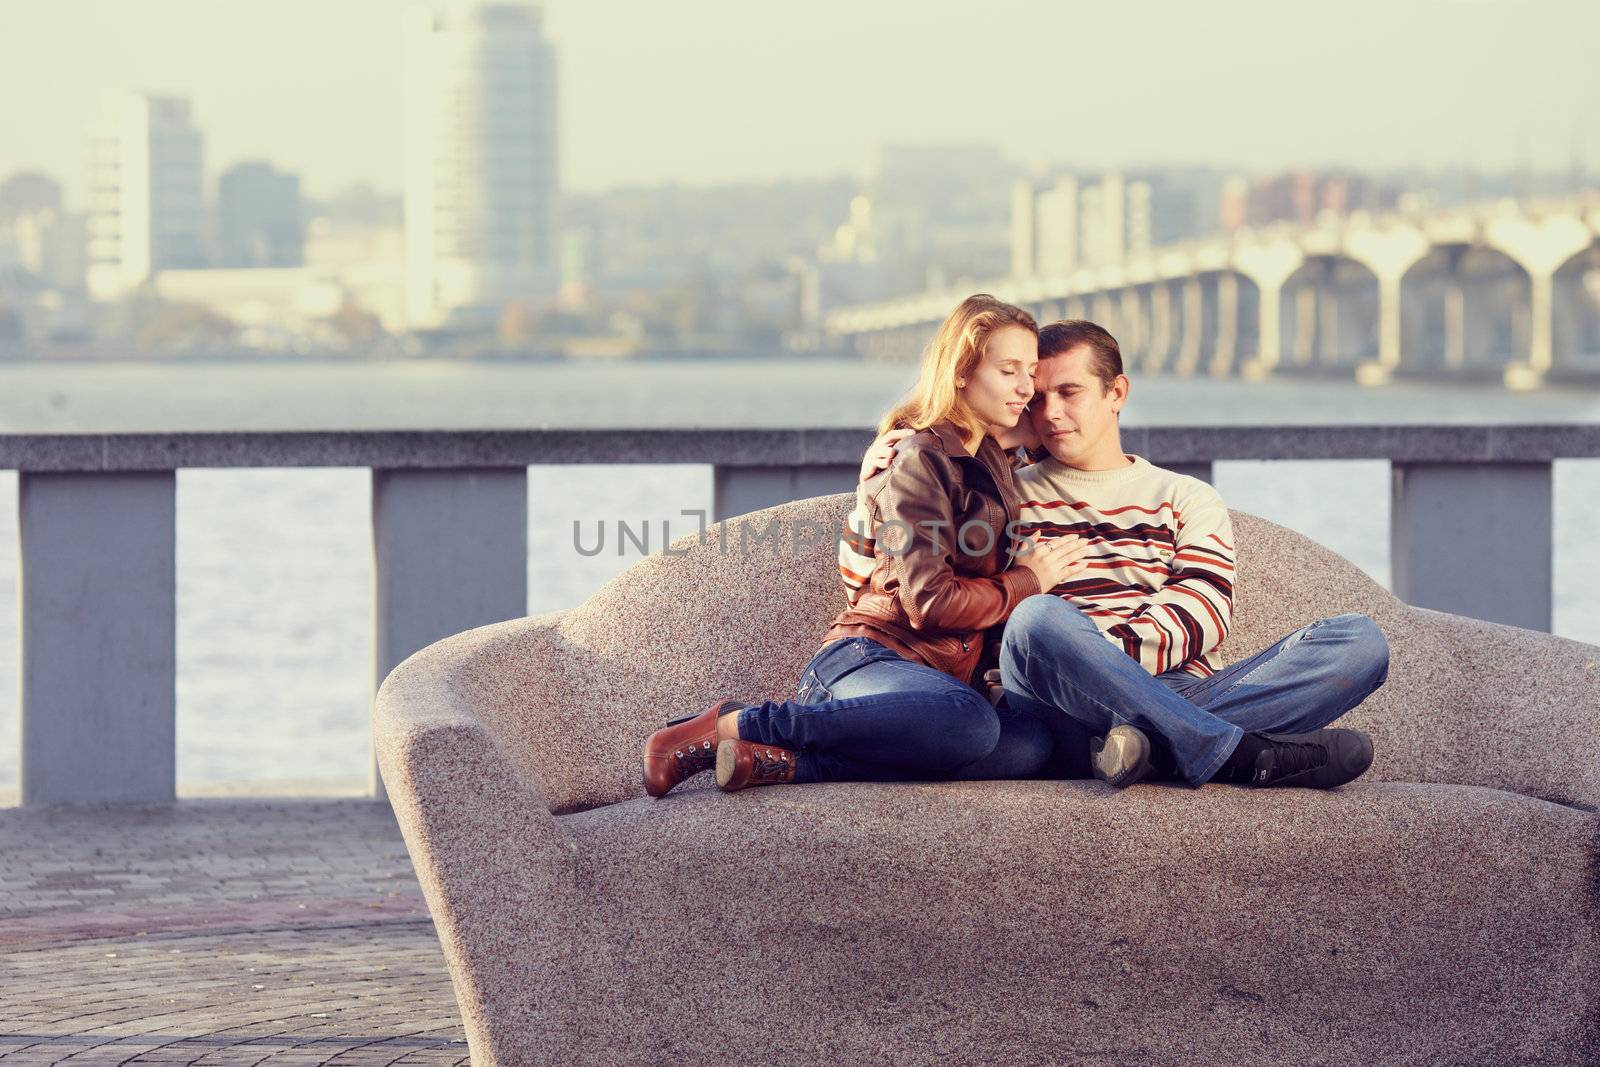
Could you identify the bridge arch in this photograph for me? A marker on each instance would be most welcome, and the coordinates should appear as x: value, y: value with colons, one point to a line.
x: 1464, y: 310
x: 1329, y: 314
x: 1575, y: 305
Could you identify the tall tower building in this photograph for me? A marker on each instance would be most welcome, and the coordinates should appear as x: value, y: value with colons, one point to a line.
x: 145, y: 192
x: 480, y: 162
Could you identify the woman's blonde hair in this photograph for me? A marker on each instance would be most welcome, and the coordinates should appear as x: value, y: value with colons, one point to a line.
x: 955, y: 353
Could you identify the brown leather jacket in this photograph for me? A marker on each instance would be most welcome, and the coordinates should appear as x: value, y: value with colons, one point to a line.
x: 929, y: 597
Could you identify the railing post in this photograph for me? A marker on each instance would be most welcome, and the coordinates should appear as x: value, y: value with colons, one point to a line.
x: 99, y: 609
x: 741, y: 490
x: 450, y: 552
x: 1201, y: 470
x: 1474, y: 539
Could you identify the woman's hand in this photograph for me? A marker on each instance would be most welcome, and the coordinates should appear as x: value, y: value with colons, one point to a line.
x: 881, y: 451
x: 1022, y: 435
x: 1055, y: 560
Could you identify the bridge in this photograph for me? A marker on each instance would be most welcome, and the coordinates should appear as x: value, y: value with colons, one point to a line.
x: 1507, y: 291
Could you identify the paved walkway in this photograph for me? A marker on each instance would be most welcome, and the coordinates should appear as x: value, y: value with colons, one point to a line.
x: 218, y: 932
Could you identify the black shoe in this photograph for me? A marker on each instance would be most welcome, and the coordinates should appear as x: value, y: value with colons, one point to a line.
x: 1320, y: 759
x: 1121, y: 757
x: 1163, y: 767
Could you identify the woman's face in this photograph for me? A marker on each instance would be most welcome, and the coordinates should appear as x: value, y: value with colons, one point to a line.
x: 1001, y: 384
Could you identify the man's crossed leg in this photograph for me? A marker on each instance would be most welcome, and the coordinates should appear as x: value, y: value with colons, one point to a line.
x: 1234, y: 725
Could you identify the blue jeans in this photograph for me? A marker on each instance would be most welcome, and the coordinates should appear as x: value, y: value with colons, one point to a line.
x: 1055, y: 663
x: 865, y: 713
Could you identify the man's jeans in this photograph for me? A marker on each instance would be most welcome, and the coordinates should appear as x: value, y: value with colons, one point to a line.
x: 865, y: 713
x: 1056, y: 664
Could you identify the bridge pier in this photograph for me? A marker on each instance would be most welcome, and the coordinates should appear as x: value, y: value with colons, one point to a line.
x: 1269, y: 266
x: 1388, y: 361
x: 1226, y: 345
x: 1161, y: 328
x: 1389, y: 254
x: 1135, y: 337
x: 1308, y: 303
x: 1194, y: 327
x: 1541, y: 349
x: 1104, y: 311
x: 1455, y: 319
x: 1328, y: 316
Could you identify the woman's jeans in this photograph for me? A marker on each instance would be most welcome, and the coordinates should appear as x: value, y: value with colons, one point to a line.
x: 865, y: 713
x: 1055, y: 663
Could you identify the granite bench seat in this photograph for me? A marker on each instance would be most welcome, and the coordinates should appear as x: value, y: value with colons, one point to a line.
x: 1439, y: 910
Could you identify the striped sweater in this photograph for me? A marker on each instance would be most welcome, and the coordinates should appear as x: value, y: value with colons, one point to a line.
x: 1159, y: 575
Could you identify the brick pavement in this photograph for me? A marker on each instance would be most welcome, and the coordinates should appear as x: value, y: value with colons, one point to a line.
x: 218, y: 932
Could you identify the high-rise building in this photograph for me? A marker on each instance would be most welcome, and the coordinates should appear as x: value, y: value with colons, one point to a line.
x: 480, y: 162
x: 28, y: 192
x: 36, y: 234
x: 1070, y: 223
x: 50, y: 244
x: 1104, y: 220
x: 144, y: 190
x: 1058, y: 228
x: 259, y: 217
x: 1137, y: 218
x: 1024, y: 230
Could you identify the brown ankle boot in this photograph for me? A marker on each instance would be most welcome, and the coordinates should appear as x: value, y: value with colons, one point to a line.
x: 683, y: 748
x: 745, y: 763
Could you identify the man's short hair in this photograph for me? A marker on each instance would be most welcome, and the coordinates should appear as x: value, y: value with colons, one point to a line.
x: 1059, y: 338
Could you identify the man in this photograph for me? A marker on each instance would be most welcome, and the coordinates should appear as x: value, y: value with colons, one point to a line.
x: 1123, y: 649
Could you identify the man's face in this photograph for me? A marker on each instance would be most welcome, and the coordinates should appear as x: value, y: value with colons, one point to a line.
x: 1074, y: 416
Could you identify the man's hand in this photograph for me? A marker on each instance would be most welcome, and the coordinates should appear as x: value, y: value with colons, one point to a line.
x: 881, y: 451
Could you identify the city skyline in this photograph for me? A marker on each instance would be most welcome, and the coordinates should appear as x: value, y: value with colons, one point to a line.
x: 1482, y: 85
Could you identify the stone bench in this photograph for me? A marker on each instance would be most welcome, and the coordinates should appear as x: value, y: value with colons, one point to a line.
x: 1441, y: 909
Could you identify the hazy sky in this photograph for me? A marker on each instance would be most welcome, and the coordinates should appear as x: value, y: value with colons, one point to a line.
x: 706, y: 91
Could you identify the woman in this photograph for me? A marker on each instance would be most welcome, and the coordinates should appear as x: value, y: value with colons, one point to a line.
x: 888, y: 697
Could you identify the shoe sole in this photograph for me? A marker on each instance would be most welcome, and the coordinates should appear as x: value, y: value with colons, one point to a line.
x: 727, y: 763
x: 1121, y: 758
